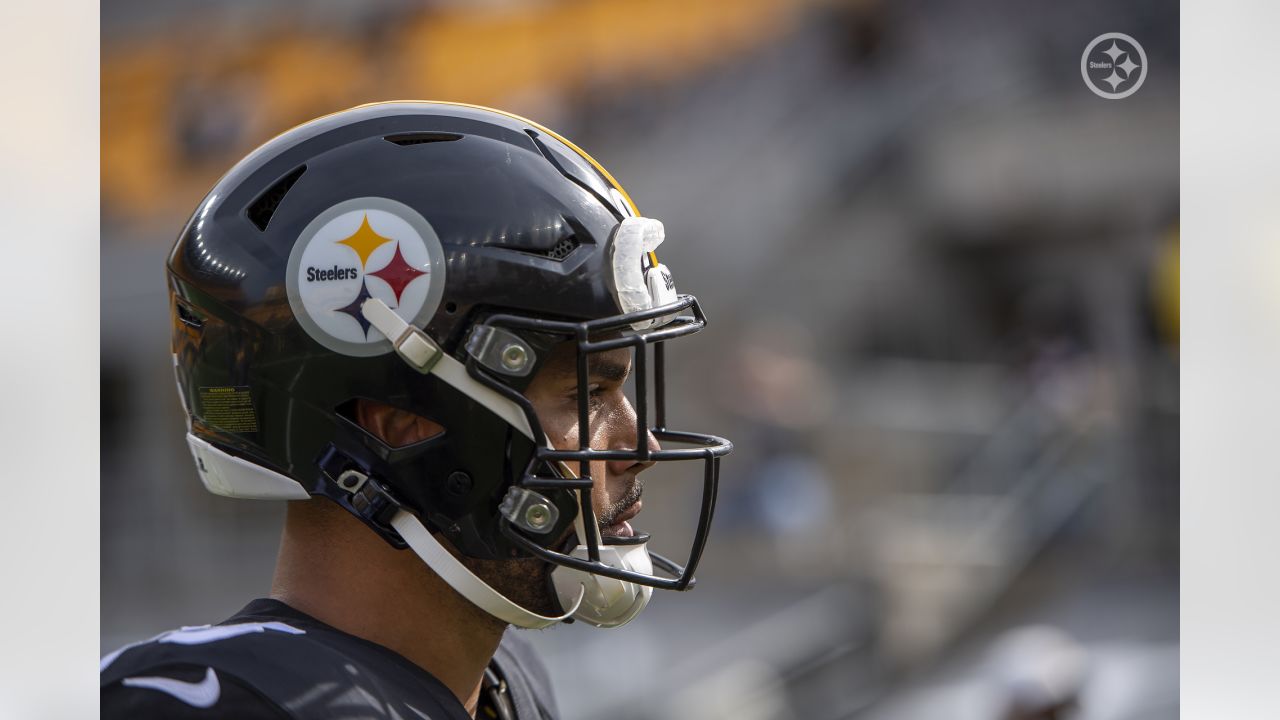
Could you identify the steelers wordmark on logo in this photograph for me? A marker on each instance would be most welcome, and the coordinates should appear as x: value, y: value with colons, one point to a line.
x: 355, y: 250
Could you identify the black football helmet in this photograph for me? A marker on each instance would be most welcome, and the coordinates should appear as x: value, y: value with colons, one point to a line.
x: 428, y: 256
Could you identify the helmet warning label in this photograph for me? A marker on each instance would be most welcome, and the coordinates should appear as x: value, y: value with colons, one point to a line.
x: 228, y: 408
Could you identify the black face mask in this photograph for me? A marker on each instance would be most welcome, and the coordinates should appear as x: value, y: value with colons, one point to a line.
x: 550, y: 473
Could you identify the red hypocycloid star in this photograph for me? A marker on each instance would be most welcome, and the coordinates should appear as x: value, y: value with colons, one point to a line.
x: 398, y: 273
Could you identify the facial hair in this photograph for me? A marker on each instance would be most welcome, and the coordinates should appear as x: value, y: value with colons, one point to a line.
x: 527, y: 581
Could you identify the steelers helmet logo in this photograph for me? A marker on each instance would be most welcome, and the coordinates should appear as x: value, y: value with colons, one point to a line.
x: 360, y: 249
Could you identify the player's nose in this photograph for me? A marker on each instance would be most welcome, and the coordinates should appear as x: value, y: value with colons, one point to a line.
x: 634, y: 465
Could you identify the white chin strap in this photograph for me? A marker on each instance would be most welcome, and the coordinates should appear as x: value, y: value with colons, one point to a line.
x: 468, y: 585
x: 596, y: 600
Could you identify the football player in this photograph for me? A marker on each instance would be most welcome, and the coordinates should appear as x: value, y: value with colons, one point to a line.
x: 434, y: 329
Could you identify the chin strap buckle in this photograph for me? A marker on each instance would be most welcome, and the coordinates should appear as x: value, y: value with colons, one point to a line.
x: 351, y: 485
x: 374, y: 502
x: 411, y: 343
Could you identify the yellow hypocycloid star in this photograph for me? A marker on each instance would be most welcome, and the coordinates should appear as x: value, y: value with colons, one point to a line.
x: 364, y: 240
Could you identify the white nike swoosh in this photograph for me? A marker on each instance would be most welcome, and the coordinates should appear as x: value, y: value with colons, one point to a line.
x: 201, y: 694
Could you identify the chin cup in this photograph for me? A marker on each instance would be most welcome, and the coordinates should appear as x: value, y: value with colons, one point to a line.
x: 606, y: 602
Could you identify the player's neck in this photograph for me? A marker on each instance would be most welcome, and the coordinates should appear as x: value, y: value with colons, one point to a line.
x: 341, y: 574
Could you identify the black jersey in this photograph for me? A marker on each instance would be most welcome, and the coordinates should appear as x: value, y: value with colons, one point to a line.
x: 272, y: 661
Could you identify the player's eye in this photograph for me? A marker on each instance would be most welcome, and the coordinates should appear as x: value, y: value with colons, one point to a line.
x: 595, y: 395
x: 594, y: 392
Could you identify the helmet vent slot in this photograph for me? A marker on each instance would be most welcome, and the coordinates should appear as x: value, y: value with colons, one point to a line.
x: 561, y: 250
x: 188, y: 317
x: 420, y: 138
x: 558, y: 252
x: 392, y: 427
x: 261, y: 209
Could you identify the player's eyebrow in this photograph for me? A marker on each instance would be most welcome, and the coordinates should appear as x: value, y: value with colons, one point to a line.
x: 606, y: 369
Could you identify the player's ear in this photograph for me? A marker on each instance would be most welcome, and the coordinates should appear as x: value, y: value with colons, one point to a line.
x: 394, y: 426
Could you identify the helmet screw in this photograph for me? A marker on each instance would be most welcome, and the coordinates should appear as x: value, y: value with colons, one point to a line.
x: 514, y: 357
x: 459, y: 483
x: 537, y: 515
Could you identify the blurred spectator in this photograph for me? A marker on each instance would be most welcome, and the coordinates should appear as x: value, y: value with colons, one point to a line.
x: 1040, y: 672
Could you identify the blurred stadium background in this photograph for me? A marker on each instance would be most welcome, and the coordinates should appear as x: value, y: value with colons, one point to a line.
x: 943, y: 283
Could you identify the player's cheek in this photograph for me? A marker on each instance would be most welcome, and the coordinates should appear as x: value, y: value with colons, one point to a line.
x: 561, y: 428
x: 600, y: 498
